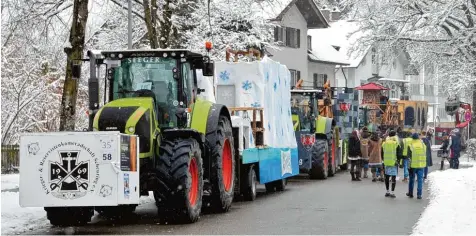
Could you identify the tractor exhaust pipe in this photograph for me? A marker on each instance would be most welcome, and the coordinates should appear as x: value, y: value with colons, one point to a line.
x: 93, y: 87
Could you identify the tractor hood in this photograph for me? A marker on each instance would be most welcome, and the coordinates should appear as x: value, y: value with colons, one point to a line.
x: 129, y: 116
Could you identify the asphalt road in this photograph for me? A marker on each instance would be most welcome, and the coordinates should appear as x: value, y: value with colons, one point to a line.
x: 333, y: 206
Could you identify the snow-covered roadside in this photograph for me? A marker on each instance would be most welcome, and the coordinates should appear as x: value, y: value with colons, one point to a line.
x: 10, y: 181
x: 452, y: 207
x: 16, y: 219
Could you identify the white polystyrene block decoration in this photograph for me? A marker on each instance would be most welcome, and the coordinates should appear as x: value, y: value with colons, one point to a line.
x: 266, y: 84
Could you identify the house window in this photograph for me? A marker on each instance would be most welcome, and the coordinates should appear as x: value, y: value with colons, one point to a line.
x: 319, y: 80
x: 287, y: 36
x: 374, y: 56
x: 393, y: 92
x: 295, y: 77
x: 385, y: 58
x: 309, y: 42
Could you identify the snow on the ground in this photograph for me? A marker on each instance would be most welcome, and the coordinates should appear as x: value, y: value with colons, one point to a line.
x: 452, y: 207
x: 10, y: 181
x: 16, y: 219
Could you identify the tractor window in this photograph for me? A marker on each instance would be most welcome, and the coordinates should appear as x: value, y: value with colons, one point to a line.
x: 187, y: 78
x: 302, y: 106
x: 150, y: 73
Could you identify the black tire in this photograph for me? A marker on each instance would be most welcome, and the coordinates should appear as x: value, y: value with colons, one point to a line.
x: 281, y: 184
x: 270, y: 187
x: 344, y: 167
x: 175, y: 181
x: 116, y: 211
x: 222, y: 189
x: 277, y: 185
x: 249, y: 192
x: 319, y: 169
x: 69, y: 216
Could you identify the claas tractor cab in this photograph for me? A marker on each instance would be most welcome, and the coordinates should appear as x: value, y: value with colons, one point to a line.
x: 186, y: 143
x: 314, y: 130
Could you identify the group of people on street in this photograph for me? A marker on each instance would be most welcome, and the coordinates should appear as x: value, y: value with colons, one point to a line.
x: 383, y: 153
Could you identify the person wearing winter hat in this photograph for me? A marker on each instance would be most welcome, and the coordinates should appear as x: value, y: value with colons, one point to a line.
x: 375, y: 156
x: 354, y: 155
x: 364, y: 149
x: 390, y: 149
x: 417, y: 155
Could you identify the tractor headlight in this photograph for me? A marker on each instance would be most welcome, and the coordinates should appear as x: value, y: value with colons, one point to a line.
x: 131, y: 130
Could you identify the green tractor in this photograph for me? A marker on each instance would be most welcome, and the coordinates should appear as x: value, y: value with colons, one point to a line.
x: 187, y: 155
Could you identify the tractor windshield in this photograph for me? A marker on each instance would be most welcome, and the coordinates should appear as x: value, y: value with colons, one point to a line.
x: 150, y: 73
x: 302, y: 106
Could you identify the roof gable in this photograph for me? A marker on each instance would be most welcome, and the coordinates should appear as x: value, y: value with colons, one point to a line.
x: 308, y: 9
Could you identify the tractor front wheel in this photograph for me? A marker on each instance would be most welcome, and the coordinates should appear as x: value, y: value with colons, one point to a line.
x: 180, y: 178
x: 223, y: 166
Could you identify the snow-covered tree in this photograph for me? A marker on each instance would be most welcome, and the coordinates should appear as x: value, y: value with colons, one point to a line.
x: 439, y: 33
x: 237, y: 24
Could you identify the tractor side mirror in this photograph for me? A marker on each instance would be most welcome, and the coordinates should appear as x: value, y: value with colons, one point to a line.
x: 76, y: 70
x: 208, y: 68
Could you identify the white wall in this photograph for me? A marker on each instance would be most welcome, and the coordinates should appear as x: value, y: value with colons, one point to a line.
x: 294, y: 58
x: 320, y: 68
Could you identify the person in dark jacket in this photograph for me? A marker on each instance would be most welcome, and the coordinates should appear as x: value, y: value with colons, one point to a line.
x: 445, y: 146
x: 354, y: 156
x: 429, y: 161
x: 455, y: 148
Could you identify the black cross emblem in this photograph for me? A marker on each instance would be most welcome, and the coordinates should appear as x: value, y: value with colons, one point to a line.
x: 69, y: 175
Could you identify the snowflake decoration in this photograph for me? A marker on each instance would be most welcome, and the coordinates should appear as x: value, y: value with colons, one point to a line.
x: 256, y: 104
x: 225, y: 75
x: 267, y: 76
x: 275, y: 86
x: 246, y: 85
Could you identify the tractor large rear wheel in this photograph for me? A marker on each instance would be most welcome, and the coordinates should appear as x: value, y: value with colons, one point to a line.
x: 320, y: 160
x: 223, y: 166
x: 180, y: 174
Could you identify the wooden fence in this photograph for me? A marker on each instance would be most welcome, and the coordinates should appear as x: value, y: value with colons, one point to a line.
x: 10, y: 158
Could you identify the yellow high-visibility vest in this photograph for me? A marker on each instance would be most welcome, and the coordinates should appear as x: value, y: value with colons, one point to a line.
x: 406, y: 143
x: 390, y: 151
x: 418, y: 158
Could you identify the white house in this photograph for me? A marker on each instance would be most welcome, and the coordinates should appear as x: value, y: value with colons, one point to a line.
x: 314, y: 63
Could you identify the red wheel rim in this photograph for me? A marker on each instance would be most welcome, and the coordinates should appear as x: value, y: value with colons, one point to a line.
x: 333, y: 152
x: 227, y: 170
x: 193, y: 193
x: 326, y: 158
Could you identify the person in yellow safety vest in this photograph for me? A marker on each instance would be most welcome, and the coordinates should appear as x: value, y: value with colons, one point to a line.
x: 406, y: 141
x: 391, y: 149
x: 417, y: 154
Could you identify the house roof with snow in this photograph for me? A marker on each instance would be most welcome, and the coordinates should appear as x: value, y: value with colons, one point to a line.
x: 341, y: 34
x: 275, y: 10
x: 325, y: 53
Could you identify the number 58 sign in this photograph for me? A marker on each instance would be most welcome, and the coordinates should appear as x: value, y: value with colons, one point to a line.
x: 108, y: 147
